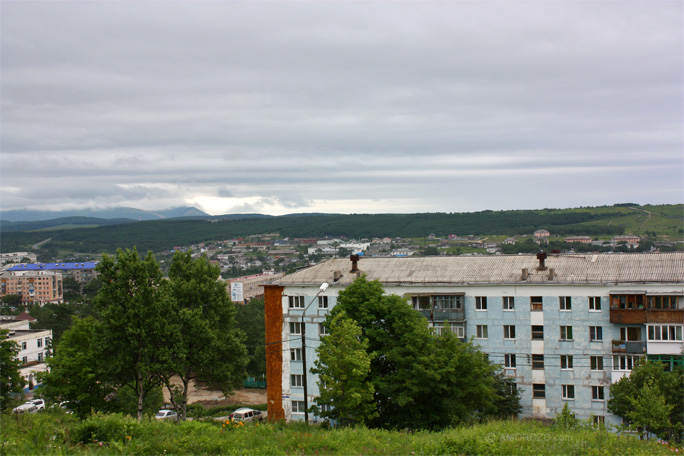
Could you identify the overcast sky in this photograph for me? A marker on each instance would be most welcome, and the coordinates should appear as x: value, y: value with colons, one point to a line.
x: 350, y: 107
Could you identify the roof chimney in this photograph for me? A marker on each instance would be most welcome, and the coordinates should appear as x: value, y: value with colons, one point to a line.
x: 541, y: 257
x: 355, y: 260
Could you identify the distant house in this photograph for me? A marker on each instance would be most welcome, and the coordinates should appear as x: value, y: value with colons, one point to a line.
x: 541, y: 234
x: 580, y: 239
x: 630, y: 240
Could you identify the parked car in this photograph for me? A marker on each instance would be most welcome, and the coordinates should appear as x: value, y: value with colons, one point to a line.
x: 166, y: 415
x: 247, y: 414
x: 26, y: 407
x: 39, y: 403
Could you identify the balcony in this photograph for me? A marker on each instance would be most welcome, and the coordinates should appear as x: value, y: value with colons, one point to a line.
x: 443, y: 314
x: 629, y: 347
x: 641, y: 316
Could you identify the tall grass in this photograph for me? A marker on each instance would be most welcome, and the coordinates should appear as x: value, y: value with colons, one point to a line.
x: 60, y: 434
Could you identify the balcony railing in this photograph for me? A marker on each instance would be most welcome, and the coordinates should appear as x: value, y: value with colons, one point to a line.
x: 630, y: 346
x: 641, y: 316
x: 442, y: 314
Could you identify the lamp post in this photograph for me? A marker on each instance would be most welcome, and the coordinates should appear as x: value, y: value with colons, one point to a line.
x: 324, y: 286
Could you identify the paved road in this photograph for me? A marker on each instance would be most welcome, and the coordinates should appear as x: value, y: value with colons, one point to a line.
x: 40, y: 244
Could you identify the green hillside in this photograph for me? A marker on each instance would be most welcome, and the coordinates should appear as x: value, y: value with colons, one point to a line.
x: 665, y: 221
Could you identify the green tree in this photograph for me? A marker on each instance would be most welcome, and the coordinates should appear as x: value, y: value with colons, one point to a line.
x: 343, y: 368
x: 71, y: 288
x: 74, y: 371
x: 420, y: 380
x: 649, y: 410
x: 206, y: 344
x: 57, y: 317
x: 430, y: 251
x: 11, y: 381
x: 657, y: 382
x: 11, y: 300
x: 250, y: 318
x: 135, y: 338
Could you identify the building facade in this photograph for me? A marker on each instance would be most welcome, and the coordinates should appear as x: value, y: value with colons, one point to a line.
x: 33, y: 286
x: 564, y: 326
x: 81, y: 272
x: 244, y: 289
x: 34, y: 346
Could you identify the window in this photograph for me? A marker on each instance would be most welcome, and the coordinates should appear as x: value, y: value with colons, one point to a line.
x: 663, y: 302
x: 508, y: 303
x: 296, y: 302
x: 598, y: 420
x: 594, y: 304
x: 448, y: 301
x: 624, y: 362
x: 322, y: 330
x: 631, y: 301
x: 481, y: 331
x: 322, y: 302
x: 632, y: 334
x: 39, y: 342
x: 565, y: 303
x: 24, y: 360
x: 536, y: 303
x: 566, y: 362
x: 459, y: 330
x: 596, y: 393
x: 568, y: 392
x: 40, y: 356
x: 295, y: 327
x: 23, y: 345
x: 566, y: 332
x: 47, y: 341
x: 298, y: 407
x: 509, y: 361
x: 537, y: 361
x: 480, y: 303
x: 538, y: 391
x: 596, y: 363
x: 421, y: 302
x: 296, y: 354
x: 595, y: 333
x: 509, y: 331
x: 537, y: 332
x: 296, y: 380
x: 665, y: 333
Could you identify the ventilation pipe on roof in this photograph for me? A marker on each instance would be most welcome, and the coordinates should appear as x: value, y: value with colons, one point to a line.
x: 525, y: 273
x: 541, y: 257
x: 552, y: 274
x: 337, y: 275
x: 355, y: 263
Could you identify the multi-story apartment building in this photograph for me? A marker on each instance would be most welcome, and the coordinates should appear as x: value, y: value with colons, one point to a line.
x: 16, y: 257
x: 82, y: 272
x: 564, y: 326
x: 33, y: 346
x: 33, y: 286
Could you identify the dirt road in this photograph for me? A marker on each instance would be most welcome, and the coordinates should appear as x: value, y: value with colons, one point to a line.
x: 213, y: 398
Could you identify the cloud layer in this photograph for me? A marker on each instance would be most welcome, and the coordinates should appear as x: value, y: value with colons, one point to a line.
x: 281, y: 107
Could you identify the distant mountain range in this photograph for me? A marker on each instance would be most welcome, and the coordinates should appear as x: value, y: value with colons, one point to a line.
x: 109, y: 213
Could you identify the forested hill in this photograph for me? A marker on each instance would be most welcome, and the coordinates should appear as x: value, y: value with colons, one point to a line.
x: 165, y: 234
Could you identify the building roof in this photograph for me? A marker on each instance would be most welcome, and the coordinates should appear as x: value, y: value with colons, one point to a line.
x: 24, y: 316
x: 503, y: 269
x: 52, y: 266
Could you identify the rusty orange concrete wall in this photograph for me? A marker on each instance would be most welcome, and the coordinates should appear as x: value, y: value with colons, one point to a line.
x: 273, y: 302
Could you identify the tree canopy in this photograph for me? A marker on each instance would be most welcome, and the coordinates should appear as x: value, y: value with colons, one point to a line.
x: 420, y: 379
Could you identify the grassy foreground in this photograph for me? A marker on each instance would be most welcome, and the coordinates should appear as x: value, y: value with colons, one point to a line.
x: 57, y: 433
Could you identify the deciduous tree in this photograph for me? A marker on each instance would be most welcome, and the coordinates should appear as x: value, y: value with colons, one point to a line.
x: 134, y: 340
x: 206, y: 345
x: 74, y: 371
x: 343, y: 367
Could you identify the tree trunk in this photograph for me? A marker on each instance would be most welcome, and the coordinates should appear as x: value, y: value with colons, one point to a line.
x: 184, y: 404
x: 141, y: 394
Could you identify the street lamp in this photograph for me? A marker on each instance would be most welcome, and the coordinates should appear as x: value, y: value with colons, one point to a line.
x: 323, y: 287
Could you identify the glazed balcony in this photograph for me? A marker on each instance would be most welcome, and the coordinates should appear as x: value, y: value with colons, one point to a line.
x: 642, y: 316
x: 629, y: 347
